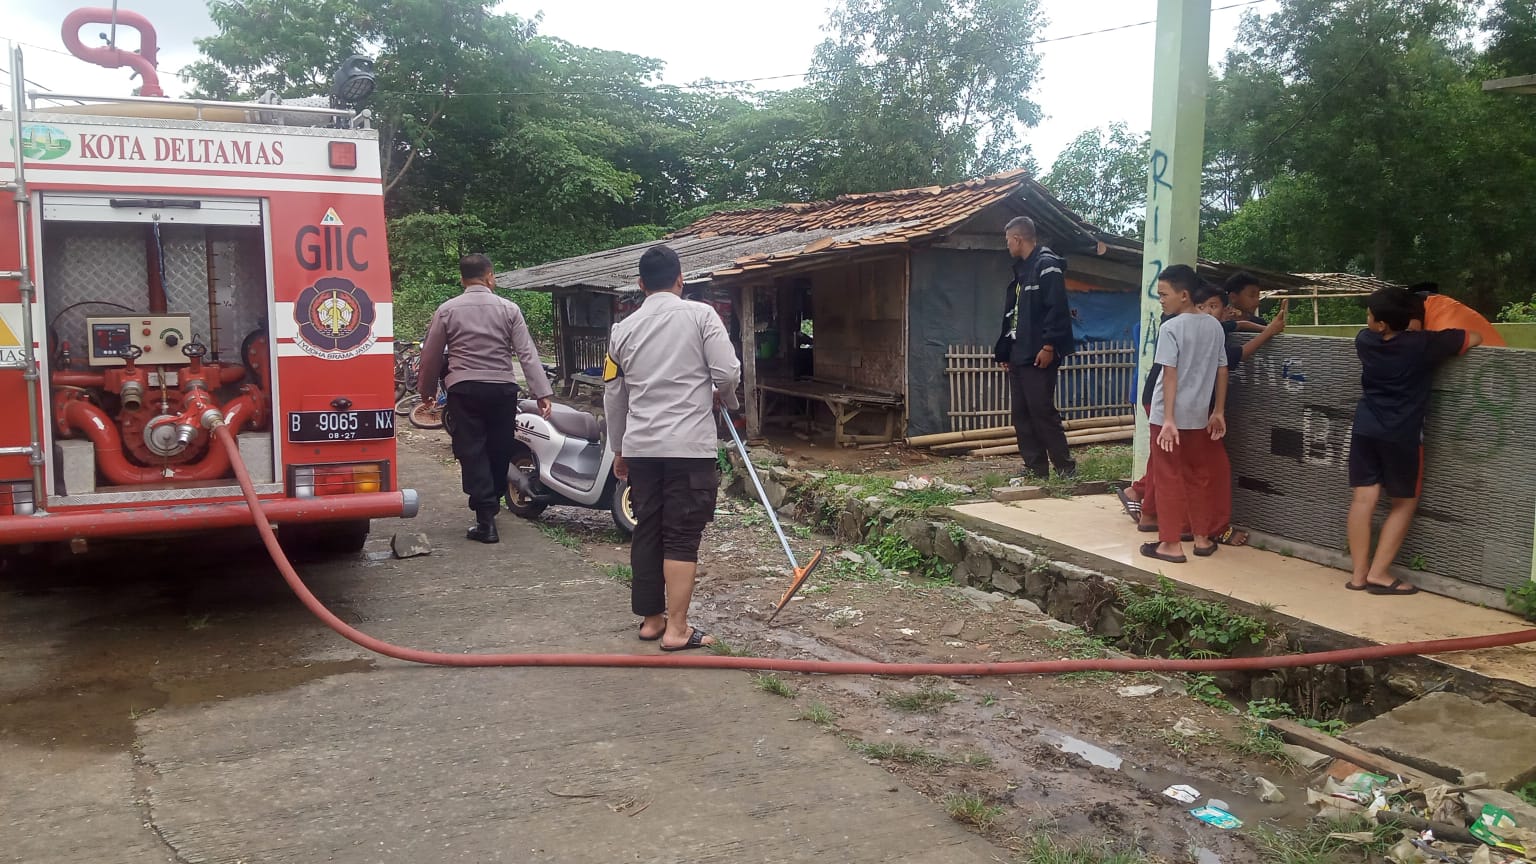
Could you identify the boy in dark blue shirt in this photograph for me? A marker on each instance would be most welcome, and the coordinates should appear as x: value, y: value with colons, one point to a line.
x: 1386, y: 450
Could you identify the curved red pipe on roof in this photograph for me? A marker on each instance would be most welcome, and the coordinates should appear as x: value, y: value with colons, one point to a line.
x: 143, y: 62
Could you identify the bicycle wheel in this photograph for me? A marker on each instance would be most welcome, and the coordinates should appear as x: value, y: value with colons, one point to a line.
x: 406, y: 404
x: 426, y: 417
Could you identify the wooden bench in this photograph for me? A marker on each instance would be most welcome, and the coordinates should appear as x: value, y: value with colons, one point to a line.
x: 843, y: 401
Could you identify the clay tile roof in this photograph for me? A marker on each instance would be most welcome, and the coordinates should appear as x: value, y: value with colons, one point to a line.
x: 923, y: 212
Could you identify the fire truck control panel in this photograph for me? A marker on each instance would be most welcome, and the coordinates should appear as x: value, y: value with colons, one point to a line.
x: 159, y: 340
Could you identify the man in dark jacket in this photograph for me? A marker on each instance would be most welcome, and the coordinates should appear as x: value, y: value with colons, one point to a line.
x: 1037, y: 336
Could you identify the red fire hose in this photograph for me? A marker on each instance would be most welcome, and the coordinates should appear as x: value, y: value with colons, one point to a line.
x: 825, y: 667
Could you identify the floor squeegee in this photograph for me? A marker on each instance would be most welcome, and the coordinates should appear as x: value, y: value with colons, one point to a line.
x: 800, y: 573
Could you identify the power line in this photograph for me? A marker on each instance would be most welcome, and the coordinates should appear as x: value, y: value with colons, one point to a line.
x: 1314, y: 106
x: 180, y: 73
x: 806, y: 74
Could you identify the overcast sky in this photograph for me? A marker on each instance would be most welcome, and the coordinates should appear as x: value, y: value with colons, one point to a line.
x: 1085, y: 82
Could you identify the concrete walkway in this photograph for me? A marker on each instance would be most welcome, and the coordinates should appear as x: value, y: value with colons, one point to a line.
x: 398, y: 763
x: 1097, y: 527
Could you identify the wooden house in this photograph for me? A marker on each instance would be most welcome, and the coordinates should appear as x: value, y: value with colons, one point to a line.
x: 847, y: 310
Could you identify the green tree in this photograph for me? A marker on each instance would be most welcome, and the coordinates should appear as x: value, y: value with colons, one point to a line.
x: 924, y: 91
x: 1102, y: 175
x: 1354, y: 135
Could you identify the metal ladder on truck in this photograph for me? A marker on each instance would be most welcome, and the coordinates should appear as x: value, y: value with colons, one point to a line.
x: 23, y: 275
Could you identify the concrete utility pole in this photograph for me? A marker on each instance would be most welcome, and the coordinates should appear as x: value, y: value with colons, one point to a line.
x: 1173, y: 175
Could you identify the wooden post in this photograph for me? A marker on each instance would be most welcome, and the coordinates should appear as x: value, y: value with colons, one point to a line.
x: 1173, y: 174
x: 562, y: 340
x: 747, y: 312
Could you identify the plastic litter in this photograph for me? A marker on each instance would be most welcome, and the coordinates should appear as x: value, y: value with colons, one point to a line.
x: 1183, y: 794
x: 1493, y: 826
x: 1217, y: 817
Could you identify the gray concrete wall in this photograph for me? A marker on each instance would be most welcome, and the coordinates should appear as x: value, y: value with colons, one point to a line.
x: 1292, y: 410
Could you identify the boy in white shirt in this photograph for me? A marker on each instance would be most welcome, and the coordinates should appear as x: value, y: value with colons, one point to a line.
x: 1191, y: 349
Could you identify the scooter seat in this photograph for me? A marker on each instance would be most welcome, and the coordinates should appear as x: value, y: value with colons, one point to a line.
x: 567, y: 420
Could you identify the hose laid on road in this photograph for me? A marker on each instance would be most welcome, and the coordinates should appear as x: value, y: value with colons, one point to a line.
x: 826, y: 667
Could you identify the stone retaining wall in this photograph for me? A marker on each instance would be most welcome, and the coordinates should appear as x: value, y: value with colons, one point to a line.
x: 1091, y: 600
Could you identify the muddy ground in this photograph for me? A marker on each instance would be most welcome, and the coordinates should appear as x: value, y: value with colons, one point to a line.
x: 1070, y: 756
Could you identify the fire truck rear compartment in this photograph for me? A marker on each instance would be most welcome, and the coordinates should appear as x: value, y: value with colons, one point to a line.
x: 153, y: 321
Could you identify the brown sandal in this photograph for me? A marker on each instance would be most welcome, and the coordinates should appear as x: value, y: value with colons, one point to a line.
x: 1229, y: 537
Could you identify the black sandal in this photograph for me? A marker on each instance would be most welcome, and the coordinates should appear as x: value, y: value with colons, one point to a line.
x: 1207, y: 551
x: 1150, y: 550
x: 695, y: 640
x: 1396, y: 589
x: 1132, y: 507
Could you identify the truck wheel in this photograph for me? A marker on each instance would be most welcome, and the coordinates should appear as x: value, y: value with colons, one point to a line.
x: 517, y: 504
x: 623, y: 508
x: 313, y: 542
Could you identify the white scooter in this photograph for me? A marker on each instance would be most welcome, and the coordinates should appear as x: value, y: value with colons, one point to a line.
x: 564, y: 460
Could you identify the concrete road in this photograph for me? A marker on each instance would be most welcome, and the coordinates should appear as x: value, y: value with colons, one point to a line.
x: 175, y: 704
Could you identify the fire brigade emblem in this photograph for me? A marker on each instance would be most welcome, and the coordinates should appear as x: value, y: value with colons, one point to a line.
x: 335, y: 319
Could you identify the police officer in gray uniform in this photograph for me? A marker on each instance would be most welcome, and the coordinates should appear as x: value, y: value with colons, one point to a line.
x: 668, y: 365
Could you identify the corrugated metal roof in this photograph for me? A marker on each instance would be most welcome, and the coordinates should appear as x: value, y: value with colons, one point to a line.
x: 732, y: 243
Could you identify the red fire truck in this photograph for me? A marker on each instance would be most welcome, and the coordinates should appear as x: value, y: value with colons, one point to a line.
x: 171, y: 263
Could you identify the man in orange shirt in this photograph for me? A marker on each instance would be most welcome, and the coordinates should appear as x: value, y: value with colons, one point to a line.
x: 1447, y: 313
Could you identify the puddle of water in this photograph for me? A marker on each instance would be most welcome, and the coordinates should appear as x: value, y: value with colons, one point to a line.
x: 1204, y: 856
x: 102, y: 714
x: 1094, y: 754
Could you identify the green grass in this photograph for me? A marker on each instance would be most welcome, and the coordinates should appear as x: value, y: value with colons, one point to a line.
x: 1203, y: 689
x: 1160, y: 620
x: 1261, y: 741
x: 974, y: 760
x: 721, y: 648
x: 926, y: 699
x: 1079, y: 646
x: 770, y: 683
x: 922, y: 499
x: 1047, y: 850
x: 620, y: 573
x: 905, y: 754
x: 971, y: 809
x: 1102, y: 463
x: 1187, y: 744
x: 819, y: 714
x: 863, y: 485
x: 1312, y: 845
x: 561, y: 535
x: 1527, y: 793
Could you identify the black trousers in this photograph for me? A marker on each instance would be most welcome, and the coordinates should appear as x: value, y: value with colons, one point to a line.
x: 674, y: 499
x: 484, y: 428
x: 1036, y: 421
